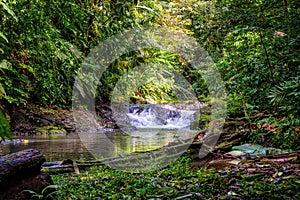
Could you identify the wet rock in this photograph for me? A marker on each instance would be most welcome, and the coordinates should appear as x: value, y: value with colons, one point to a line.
x: 105, y: 113
x: 27, y: 120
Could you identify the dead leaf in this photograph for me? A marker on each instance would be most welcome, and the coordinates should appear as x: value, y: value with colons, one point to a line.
x: 279, y: 34
x: 297, y: 128
x: 76, y: 169
x: 235, y: 162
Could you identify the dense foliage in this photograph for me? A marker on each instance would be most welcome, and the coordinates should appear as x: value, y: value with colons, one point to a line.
x: 255, y: 45
x: 4, y: 128
x: 178, y: 180
x: 46, y: 41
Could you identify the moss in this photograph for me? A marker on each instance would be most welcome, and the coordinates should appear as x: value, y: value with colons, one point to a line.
x: 51, y: 129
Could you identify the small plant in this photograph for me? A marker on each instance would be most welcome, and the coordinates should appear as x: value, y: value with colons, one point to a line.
x: 44, y: 194
x: 4, y: 128
x: 286, y: 95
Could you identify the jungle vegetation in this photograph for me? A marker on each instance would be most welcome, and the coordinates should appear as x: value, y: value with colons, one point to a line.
x: 254, y: 44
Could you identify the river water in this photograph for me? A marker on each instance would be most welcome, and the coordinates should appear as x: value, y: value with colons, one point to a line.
x: 57, y: 147
x: 54, y: 147
x: 149, y: 130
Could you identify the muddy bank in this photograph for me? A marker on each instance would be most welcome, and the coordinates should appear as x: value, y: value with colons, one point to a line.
x: 33, y: 119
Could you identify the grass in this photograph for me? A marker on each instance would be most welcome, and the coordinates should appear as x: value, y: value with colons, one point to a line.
x: 178, y: 180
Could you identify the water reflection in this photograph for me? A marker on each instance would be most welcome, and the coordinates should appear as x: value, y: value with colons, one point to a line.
x: 147, y: 140
x: 99, y: 145
x: 105, y: 145
x: 53, y: 147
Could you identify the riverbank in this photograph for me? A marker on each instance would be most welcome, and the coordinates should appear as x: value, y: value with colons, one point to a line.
x: 215, y: 177
x: 264, y: 128
x: 181, y: 180
x: 33, y: 119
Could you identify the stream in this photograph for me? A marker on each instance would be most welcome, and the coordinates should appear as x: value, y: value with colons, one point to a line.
x: 151, y: 127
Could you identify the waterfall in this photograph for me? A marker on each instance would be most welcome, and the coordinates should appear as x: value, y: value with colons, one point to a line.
x: 160, y: 116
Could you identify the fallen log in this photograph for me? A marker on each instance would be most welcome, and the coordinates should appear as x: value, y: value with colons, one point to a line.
x: 60, y: 167
x: 21, y: 171
x: 13, y: 165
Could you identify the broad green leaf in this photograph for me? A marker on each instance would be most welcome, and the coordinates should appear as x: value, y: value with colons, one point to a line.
x: 255, y: 149
x: 4, y: 128
x: 3, y: 36
x: 49, y: 187
x: 2, y: 91
x: 149, y: 9
x: 9, y: 11
x: 5, y: 65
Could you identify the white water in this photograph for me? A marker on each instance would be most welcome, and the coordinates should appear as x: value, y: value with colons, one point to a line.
x: 164, y: 117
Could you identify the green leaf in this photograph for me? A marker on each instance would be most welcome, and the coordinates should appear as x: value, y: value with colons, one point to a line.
x: 2, y: 91
x: 50, y: 187
x: 9, y: 11
x: 30, y: 191
x: 4, y: 128
x: 3, y: 36
x: 4, y: 64
x: 149, y: 9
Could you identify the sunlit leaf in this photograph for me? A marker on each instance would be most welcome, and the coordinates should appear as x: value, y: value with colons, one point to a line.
x: 2, y: 91
x: 9, y: 10
x: 3, y: 36
x: 4, y: 64
x: 149, y: 9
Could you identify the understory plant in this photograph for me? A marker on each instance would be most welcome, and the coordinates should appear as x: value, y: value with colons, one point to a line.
x: 178, y: 180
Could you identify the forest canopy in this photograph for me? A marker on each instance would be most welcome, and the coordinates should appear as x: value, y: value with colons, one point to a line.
x: 254, y: 44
